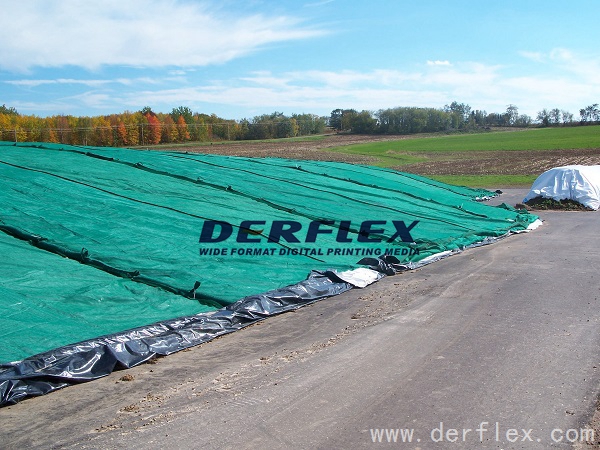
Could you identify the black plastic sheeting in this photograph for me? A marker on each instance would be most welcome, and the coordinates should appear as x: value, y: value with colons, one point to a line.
x: 95, y: 358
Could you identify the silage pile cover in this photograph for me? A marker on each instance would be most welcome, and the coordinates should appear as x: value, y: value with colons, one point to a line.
x: 576, y: 182
x: 100, y: 240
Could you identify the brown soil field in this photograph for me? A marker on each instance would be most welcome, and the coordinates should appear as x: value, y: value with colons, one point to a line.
x: 514, y: 162
x: 318, y: 150
x: 452, y: 163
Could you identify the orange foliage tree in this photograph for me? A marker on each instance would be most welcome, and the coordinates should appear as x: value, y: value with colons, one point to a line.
x: 182, y: 130
x: 154, y: 132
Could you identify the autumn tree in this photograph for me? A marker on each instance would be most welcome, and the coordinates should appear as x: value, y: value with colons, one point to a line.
x: 51, y: 137
x: 200, y: 129
x: 102, y: 133
x: 10, y: 125
x: 64, y: 128
x: 152, y: 134
x: 169, y: 130
x: 182, y: 130
x: 121, y: 134
x: 132, y: 123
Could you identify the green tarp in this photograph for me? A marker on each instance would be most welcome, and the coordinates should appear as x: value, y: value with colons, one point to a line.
x: 99, y: 240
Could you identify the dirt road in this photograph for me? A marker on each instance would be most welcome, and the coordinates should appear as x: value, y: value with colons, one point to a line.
x: 503, y: 339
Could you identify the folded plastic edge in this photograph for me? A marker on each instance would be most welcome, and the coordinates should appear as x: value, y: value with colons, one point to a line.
x: 91, y: 359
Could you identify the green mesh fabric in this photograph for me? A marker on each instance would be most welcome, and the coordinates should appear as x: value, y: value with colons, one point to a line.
x: 119, y: 232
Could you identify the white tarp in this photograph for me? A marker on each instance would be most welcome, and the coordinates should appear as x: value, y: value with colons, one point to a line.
x: 579, y: 183
x: 361, y: 277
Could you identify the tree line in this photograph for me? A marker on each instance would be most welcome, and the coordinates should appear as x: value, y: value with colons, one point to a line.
x: 453, y: 117
x: 145, y: 127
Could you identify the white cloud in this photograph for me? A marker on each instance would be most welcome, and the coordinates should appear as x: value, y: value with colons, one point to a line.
x: 265, y: 78
x: 136, y: 33
x: 561, y: 54
x: 337, y: 79
x: 587, y: 67
x: 35, y: 83
x: 567, y: 61
x: 438, y: 63
x: 320, y: 3
x: 93, y: 100
x: 533, y: 94
x: 533, y: 56
x: 91, y: 83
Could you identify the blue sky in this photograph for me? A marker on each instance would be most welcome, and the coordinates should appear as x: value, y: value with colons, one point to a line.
x: 239, y: 59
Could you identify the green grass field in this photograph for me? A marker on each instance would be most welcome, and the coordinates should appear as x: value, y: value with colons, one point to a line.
x: 465, y: 148
x: 531, y: 139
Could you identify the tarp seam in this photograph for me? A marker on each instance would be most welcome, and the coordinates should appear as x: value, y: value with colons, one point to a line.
x: 83, y: 257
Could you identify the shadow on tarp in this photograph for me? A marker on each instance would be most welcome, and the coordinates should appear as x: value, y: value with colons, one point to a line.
x: 88, y: 360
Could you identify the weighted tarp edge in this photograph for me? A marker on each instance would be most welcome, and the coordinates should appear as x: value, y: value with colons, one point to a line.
x: 88, y: 360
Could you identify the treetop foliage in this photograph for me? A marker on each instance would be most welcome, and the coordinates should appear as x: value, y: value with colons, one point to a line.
x: 9, y: 111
